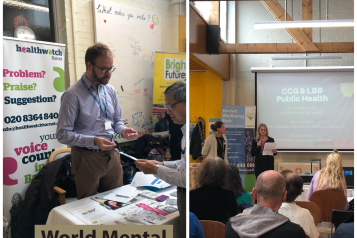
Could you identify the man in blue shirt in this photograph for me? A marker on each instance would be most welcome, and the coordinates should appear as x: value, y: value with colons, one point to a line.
x: 89, y: 115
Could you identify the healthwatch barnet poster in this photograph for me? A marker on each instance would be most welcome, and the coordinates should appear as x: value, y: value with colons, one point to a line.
x: 33, y: 82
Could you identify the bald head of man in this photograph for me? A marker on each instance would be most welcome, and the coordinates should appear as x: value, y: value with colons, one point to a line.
x: 270, y: 189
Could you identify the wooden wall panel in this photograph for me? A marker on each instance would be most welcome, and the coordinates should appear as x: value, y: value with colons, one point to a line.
x: 217, y: 64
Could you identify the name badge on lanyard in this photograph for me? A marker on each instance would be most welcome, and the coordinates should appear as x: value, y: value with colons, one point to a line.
x: 108, y: 125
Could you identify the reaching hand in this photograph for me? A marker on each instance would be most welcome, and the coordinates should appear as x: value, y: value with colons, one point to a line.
x: 104, y: 144
x: 129, y: 133
x: 158, y: 162
x: 146, y: 166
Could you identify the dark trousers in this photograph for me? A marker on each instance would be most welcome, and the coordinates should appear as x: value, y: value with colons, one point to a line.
x: 95, y: 171
x: 181, y: 204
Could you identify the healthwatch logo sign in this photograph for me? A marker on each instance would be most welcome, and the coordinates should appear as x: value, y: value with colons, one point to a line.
x: 38, y: 50
x: 174, y: 69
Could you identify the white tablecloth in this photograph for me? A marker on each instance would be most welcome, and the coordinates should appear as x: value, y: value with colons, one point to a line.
x: 60, y: 216
x: 303, y: 196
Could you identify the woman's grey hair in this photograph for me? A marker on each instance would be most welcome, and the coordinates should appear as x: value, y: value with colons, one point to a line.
x: 179, y: 91
x: 212, y: 172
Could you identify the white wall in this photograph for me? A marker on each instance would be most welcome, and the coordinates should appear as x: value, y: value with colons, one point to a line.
x: 85, y: 35
x: 247, y: 13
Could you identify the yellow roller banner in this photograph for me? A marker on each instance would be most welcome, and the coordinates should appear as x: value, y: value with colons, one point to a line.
x: 169, y: 68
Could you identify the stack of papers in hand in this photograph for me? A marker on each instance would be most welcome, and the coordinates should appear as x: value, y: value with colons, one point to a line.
x: 149, y: 181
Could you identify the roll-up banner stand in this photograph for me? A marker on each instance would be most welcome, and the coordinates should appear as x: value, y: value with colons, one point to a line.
x: 33, y: 82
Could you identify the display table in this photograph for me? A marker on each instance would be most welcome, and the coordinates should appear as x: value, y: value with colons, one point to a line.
x: 60, y: 216
x: 303, y: 196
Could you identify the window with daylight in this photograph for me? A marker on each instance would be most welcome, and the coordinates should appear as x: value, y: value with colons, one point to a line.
x: 34, y: 14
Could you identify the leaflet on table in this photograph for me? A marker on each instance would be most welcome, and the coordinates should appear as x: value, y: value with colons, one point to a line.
x: 149, y: 180
x: 114, y: 197
x: 142, y: 216
x: 125, y: 191
x: 268, y: 147
x: 172, y: 201
x: 90, y: 212
x: 174, y: 193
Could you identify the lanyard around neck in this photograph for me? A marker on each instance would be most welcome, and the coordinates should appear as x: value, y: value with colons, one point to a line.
x: 96, y: 99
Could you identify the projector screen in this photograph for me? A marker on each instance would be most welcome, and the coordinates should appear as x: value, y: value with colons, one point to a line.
x: 307, y: 110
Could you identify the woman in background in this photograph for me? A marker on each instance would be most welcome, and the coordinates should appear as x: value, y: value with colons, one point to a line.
x: 262, y: 162
x: 235, y: 185
x: 295, y: 213
x: 330, y: 177
x: 216, y: 143
x: 212, y: 201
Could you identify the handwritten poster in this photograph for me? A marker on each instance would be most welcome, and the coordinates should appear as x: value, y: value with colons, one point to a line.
x: 134, y: 35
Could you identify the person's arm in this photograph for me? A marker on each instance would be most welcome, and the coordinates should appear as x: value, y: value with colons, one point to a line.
x: 206, y: 148
x: 255, y: 149
x: 172, y: 176
x: 226, y: 149
x: 118, y: 122
x: 195, y: 227
x: 172, y: 164
x: 311, y: 188
x: 66, y: 119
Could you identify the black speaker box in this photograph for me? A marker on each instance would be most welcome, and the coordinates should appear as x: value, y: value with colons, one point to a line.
x: 212, y: 39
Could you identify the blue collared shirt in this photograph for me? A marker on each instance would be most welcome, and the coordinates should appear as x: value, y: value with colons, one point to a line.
x: 81, y: 119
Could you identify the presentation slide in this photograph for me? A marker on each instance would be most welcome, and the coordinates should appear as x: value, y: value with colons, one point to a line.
x: 312, y: 111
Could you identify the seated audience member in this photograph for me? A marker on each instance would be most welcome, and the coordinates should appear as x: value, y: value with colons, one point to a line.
x: 296, y: 214
x: 212, y: 201
x: 263, y: 220
x: 346, y: 229
x: 195, y: 227
x: 235, y: 185
x: 330, y: 177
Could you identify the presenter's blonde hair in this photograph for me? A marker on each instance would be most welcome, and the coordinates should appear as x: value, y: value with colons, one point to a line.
x: 257, y: 135
x: 332, y: 177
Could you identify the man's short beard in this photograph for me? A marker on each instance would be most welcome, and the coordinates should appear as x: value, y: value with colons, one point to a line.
x: 97, y: 79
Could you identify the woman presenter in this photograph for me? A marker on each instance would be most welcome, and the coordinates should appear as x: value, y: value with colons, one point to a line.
x: 262, y: 162
x: 216, y: 143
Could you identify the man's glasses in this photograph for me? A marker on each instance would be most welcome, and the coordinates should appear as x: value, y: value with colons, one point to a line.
x: 169, y: 107
x: 105, y: 70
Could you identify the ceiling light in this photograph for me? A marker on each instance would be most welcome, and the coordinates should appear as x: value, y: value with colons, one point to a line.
x: 305, y: 57
x: 25, y: 5
x: 300, y: 24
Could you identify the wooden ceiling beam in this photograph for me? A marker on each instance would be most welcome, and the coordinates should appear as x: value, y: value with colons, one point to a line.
x: 296, y: 33
x: 307, y: 16
x: 285, y: 48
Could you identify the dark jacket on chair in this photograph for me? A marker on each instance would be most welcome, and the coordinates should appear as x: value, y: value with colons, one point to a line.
x: 40, y: 197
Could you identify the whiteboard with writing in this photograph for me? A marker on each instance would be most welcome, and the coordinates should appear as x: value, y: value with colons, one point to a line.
x: 133, y: 35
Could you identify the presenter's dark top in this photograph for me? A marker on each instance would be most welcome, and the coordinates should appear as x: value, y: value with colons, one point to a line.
x: 262, y: 162
x: 221, y: 147
x: 213, y: 203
